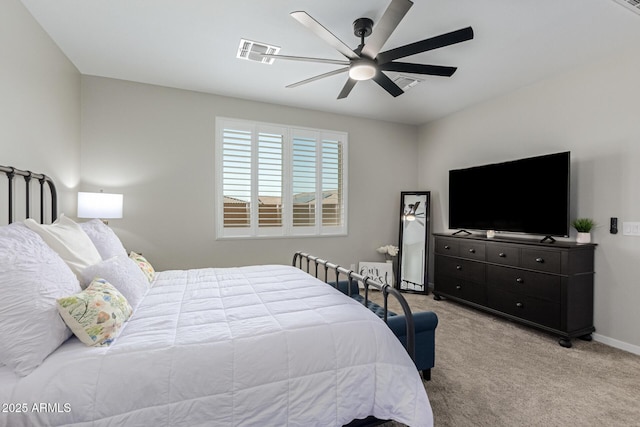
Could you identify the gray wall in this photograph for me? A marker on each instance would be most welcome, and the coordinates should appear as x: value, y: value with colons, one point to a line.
x: 40, y: 103
x: 156, y: 146
x: 592, y: 112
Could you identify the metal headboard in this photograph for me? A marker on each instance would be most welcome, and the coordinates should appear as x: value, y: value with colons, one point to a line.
x: 11, y: 173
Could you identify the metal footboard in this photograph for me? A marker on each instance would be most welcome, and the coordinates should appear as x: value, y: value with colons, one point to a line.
x: 351, y: 275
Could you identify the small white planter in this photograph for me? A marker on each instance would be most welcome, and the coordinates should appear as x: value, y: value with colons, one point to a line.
x: 583, y: 238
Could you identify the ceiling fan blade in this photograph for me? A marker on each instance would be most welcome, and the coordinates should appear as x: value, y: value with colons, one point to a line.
x: 318, y: 77
x: 442, y: 40
x: 346, y: 89
x: 387, y: 84
x: 432, y: 70
x: 396, y: 10
x: 318, y: 29
x: 304, y: 58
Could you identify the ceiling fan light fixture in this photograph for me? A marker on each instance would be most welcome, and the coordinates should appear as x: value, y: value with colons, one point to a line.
x: 363, y: 69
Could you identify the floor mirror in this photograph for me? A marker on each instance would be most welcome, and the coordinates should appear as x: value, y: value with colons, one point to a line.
x: 413, y: 257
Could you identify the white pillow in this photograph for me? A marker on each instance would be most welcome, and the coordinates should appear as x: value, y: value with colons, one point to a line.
x: 69, y: 241
x: 104, y: 239
x: 32, y: 277
x: 123, y: 274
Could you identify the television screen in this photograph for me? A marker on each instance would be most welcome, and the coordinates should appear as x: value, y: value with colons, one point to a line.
x: 524, y: 196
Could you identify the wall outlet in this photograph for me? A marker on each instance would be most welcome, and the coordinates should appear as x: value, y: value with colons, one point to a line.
x: 631, y: 228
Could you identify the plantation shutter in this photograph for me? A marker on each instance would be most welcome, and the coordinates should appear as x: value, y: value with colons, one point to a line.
x: 332, y: 183
x: 277, y: 181
x: 236, y: 185
x: 270, y: 180
x: 303, y: 181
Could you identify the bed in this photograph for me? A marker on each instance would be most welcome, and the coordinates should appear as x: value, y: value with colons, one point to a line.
x: 246, y: 346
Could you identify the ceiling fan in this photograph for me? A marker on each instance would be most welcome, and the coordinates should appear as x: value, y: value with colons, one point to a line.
x: 411, y: 213
x: 366, y: 62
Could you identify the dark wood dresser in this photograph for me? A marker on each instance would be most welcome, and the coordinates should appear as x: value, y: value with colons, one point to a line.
x: 545, y: 285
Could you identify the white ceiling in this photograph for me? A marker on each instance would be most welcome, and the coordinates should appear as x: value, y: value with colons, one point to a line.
x: 192, y: 44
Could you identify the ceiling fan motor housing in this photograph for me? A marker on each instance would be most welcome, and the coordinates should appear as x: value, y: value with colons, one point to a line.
x: 362, y: 27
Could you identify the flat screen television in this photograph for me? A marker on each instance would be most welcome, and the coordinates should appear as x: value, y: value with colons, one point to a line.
x: 523, y: 196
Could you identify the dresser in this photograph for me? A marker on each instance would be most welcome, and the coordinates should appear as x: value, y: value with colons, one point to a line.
x: 544, y: 285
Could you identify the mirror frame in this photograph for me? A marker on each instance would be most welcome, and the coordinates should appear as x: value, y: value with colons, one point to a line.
x: 427, y: 228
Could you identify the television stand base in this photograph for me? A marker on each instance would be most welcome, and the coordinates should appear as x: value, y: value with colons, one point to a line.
x: 548, y: 238
x: 462, y: 231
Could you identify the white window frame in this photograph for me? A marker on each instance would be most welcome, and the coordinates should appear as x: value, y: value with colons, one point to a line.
x: 287, y: 229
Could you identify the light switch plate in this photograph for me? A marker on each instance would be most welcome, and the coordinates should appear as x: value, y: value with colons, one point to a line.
x: 631, y: 228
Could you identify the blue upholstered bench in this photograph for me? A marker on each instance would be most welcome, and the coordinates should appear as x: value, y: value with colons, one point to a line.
x: 425, y: 327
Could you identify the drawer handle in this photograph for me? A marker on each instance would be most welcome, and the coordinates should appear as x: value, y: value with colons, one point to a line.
x: 519, y: 305
x: 502, y: 255
x: 473, y: 251
x: 540, y: 260
x: 447, y: 247
x: 520, y: 280
x: 458, y: 287
x: 458, y: 267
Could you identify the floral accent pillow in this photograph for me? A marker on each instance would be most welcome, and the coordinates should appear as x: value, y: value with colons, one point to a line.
x: 144, y: 265
x: 96, y: 314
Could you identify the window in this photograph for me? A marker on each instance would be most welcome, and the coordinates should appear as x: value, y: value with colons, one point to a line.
x: 275, y: 180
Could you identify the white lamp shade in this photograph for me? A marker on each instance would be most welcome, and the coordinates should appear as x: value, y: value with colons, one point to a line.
x: 100, y: 205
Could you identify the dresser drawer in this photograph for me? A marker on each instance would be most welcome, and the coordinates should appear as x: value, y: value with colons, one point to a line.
x: 525, y: 307
x: 541, y: 260
x: 522, y: 282
x: 447, y: 246
x: 463, y: 289
x: 460, y: 269
x: 472, y: 250
x: 503, y: 254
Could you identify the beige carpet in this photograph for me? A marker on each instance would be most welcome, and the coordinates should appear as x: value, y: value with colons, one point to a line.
x: 493, y: 372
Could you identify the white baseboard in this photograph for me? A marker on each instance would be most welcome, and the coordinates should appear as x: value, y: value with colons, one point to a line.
x: 617, y: 344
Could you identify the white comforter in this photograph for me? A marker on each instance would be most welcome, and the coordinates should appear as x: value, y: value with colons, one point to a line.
x: 250, y: 346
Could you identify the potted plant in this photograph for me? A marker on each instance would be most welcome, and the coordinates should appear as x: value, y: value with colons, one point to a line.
x: 583, y: 226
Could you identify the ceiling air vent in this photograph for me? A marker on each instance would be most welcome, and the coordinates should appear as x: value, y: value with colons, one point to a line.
x: 633, y: 5
x: 406, y: 82
x: 252, y: 51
